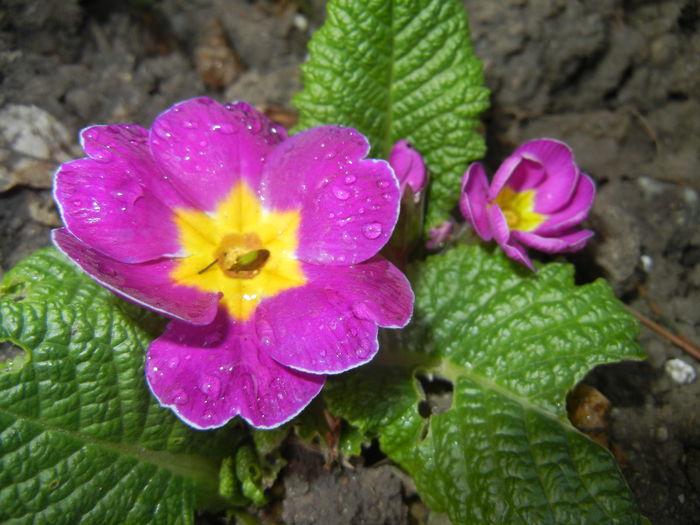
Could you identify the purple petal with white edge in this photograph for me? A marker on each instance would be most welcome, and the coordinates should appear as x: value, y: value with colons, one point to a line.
x: 209, y: 374
x: 117, y: 201
x: 519, y: 173
x: 375, y: 290
x: 147, y: 284
x: 207, y: 147
x: 562, y: 173
x: 516, y: 252
x: 473, y: 203
x: 573, y: 213
x: 567, y: 242
x: 498, y: 224
x: 408, y: 166
x: 330, y: 325
x: 349, y: 206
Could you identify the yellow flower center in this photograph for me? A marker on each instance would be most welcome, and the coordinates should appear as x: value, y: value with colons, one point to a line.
x: 518, y: 209
x: 241, y: 250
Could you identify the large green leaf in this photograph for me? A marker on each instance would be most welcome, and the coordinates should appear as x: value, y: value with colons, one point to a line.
x: 400, y: 69
x: 82, y: 440
x: 512, y: 343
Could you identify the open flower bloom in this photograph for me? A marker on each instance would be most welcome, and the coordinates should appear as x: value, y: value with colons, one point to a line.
x: 537, y: 198
x: 262, y: 248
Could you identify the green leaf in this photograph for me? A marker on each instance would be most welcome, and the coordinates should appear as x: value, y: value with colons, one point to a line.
x: 400, y: 69
x: 82, y: 440
x: 511, y: 343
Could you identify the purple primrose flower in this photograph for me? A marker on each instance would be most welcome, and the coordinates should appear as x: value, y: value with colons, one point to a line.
x: 537, y: 198
x: 263, y: 249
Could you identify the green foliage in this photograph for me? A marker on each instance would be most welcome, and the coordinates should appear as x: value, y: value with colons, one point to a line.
x: 511, y: 343
x: 82, y: 440
x: 400, y: 69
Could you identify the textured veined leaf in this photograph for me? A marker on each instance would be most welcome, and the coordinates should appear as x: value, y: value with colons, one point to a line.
x: 400, y: 69
x: 511, y: 343
x: 81, y: 438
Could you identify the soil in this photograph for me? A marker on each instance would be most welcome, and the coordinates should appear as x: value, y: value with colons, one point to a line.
x: 619, y: 80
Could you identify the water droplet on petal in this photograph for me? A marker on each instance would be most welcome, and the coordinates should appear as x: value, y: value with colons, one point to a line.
x: 210, y: 385
x: 180, y: 397
x: 103, y: 156
x: 341, y: 194
x: 382, y: 184
x: 173, y: 362
x: 349, y: 179
x: 225, y: 128
x: 208, y: 415
x: 163, y: 133
x: 362, y: 351
x: 191, y: 124
x: 372, y: 230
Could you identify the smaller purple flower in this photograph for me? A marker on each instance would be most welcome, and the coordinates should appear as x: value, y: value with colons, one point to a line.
x: 537, y: 198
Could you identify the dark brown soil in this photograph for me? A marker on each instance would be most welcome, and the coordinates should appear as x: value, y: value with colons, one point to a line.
x: 619, y: 80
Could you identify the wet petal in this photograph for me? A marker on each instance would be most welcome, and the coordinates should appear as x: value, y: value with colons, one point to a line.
x: 206, y: 147
x: 574, y: 212
x: 565, y: 242
x: 117, y: 200
x: 330, y: 325
x: 147, y: 284
x: 349, y: 205
x: 473, y: 200
x: 209, y: 374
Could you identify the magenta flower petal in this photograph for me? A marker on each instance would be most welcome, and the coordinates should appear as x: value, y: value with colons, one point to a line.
x: 558, y: 158
x: 147, y: 284
x: 117, y: 200
x: 349, y: 204
x: 408, y: 166
x: 473, y: 202
x: 573, y: 212
x: 209, y: 374
x: 568, y: 242
x: 330, y: 325
x: 498, y: 225
x: 516, y: 252
x: 519, y: 173
x: 206, y: 147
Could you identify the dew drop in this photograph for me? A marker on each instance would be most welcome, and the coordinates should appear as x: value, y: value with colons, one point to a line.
x: 208, y: 415
x: 191, y: 124
x: 210, y: 385
x: 382, y: 184
x: 180, y: 397
x: 225, y: 128
x: 349, y: 179
x: 172, y: 363
x: 372, y: 230
x: 362, y: 351
x: 163, y: 133
x: 341, y: 194
x: 103, y: 156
